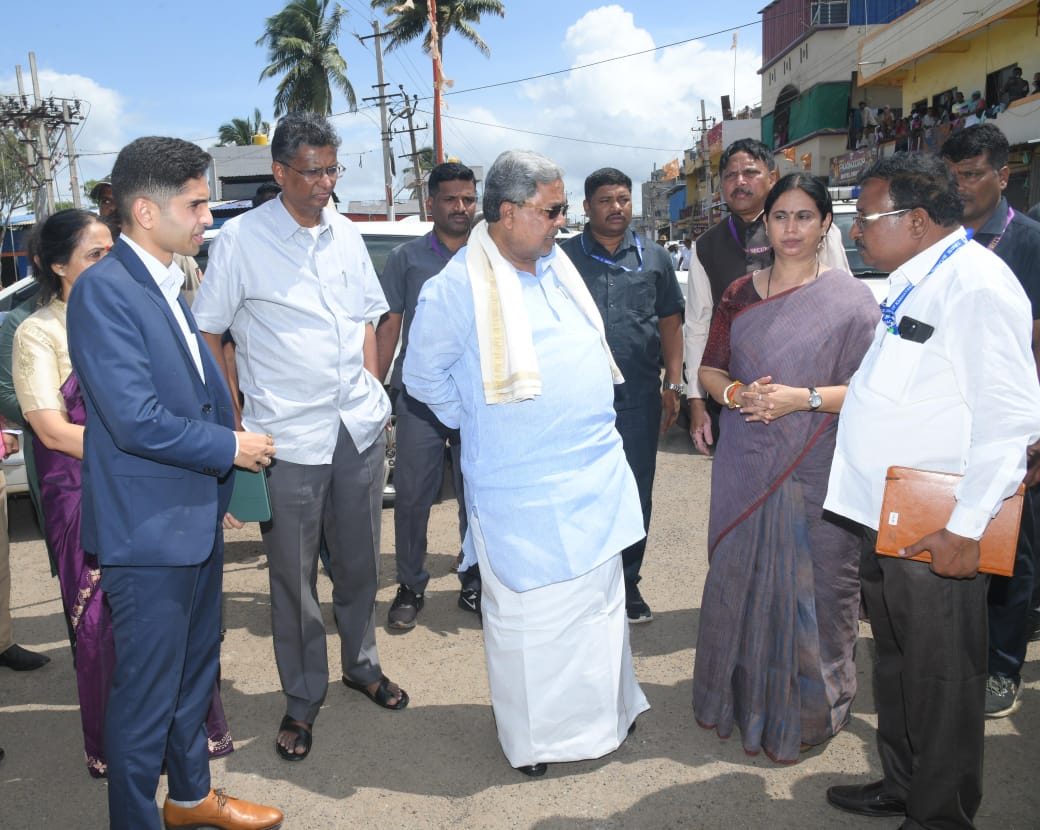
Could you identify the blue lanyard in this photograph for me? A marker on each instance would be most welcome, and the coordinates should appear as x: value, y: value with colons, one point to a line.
x: 736, y: 237
x: 435, y: 245
x: 888, y: 312
x: 603, y: 259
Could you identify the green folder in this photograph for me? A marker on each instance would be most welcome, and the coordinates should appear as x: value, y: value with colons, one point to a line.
x: 249, y: 499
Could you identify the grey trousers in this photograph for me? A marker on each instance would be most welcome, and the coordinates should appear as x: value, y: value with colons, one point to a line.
x: 930, y: 636
x: 6, y: 629
x: 417, y: 481
x: 345, y: 498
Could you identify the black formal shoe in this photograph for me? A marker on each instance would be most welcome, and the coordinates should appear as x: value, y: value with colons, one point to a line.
x: 1, y: 754
x: 866, y: 800
x: 21, y: 659
x: 533, y: 770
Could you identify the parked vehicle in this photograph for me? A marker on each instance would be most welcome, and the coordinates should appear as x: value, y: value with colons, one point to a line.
x: 13, y: 466
x: 380, y: 239
x: 844, y: 206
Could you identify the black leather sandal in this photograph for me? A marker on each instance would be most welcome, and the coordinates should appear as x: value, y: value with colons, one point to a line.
x: 303, y: 738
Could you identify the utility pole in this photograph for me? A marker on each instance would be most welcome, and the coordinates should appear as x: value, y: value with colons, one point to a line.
x: 408, y: 112
x: 38, y: 124
x: 66, y: 115
x: 438, y: 138
x: 46, y: 199
x: 388, y: 158
x: 706, y: 164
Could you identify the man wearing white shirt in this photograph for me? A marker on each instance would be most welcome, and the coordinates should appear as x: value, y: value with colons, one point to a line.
x: 293, y: 282
x: 949, y: 384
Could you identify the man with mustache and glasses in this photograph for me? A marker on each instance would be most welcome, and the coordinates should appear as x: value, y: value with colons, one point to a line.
x: 420, y: 436
x: 641, y: 304
x: 978, y: 157
x: 736, y: 246
x: 294, y: 284
x: 507, y: 346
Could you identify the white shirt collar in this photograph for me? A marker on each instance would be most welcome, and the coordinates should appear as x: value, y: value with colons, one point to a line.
x: 920, y: 265
x: 169, y: 278
x: 287, y: 226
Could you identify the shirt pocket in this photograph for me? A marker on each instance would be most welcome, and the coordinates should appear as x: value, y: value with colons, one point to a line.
x: 895, y: 371
x: 342, y: 295
x: 640, y: 298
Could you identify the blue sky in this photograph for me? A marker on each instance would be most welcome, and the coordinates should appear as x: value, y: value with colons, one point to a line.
x: 182, y: 68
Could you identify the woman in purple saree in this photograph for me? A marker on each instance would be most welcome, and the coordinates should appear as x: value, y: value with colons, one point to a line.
x: 65, y: 245
x: 779, y: 616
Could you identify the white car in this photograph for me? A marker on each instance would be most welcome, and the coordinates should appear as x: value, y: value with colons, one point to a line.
x: 13, y: 466
x: 380, y: 239
x: 844, y: 213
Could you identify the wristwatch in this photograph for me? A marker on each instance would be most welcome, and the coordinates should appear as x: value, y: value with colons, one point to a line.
x: 677, y: 388
x: 815, y: 401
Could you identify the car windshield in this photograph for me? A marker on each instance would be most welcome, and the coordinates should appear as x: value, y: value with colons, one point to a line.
x: 379, y: 247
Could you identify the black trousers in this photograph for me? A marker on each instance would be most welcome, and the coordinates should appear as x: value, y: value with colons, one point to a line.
x: 930, y: 635
x: 1010, y: 600
x: 640, y: 428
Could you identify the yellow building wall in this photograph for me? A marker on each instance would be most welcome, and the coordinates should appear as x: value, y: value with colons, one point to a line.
x: 1002, y: 44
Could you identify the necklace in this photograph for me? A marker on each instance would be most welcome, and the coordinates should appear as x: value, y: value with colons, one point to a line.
x: 769, y: 278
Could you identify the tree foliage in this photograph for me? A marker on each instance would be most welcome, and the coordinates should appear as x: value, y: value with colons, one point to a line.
x: 16, y: 177
x: 410, y: 20
x: 240, y: 131
x: 302, y: 51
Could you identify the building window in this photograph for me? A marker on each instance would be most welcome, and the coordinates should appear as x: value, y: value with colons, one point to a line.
x: 829, y: 13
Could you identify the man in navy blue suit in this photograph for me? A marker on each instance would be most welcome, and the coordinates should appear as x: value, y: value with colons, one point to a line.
x: 158, y: 453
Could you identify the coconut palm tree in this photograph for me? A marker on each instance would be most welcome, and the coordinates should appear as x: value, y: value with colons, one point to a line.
x: 301, y: 48
x: 240, y: 131
x: 411, y: 19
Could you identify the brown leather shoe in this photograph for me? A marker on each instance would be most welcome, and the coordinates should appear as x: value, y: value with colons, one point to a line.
x: 221, y: 811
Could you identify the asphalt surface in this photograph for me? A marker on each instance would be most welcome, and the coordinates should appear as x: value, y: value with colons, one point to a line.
x: 437, y: 763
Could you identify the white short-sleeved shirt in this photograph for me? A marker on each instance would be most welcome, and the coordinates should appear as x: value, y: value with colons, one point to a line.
x: 297, y: 301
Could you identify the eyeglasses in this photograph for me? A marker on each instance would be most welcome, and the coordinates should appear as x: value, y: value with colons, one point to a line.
x: 314, y: 173
x: 860, y: 221
x: 105, y: 201
x: 551, y: 212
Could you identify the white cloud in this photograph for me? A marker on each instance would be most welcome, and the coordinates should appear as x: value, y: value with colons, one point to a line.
x: 650, y: 100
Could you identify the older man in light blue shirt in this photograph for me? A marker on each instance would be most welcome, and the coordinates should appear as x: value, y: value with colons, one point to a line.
x: 294, y: 284
x: 508, y: 346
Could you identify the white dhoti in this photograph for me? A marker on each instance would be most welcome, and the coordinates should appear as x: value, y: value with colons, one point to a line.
x: 559, y: 665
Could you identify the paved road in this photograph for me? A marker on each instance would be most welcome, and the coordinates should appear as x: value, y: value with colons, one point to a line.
x: 437, y: 764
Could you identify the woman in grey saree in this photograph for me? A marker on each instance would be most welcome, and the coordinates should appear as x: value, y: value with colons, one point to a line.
x: 778, y: 621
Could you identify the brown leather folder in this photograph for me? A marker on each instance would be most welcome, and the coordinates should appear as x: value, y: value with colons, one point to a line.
x: 919, y: 502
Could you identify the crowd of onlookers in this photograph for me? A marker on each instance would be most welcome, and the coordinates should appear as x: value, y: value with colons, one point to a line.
x: 926, y: 127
